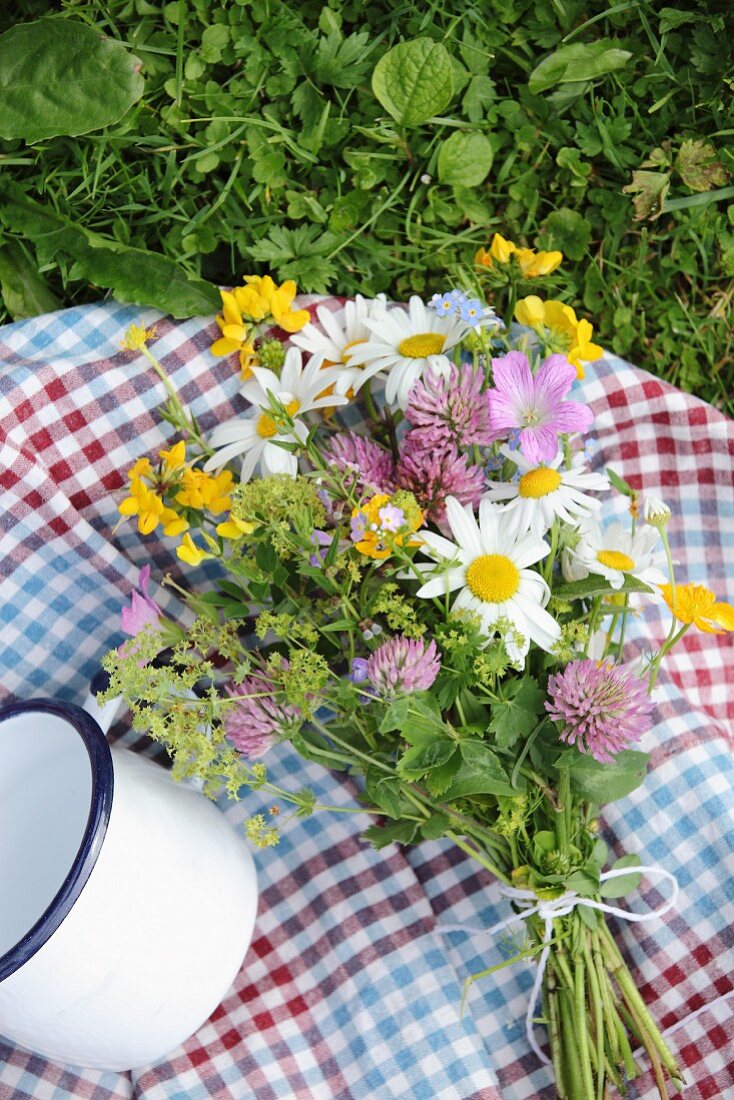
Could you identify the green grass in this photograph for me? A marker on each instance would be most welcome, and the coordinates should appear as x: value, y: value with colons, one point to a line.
x: 260, y: 145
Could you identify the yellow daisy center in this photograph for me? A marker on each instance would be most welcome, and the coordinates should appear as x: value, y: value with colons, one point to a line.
x: 539, y: 483
x: 345, y: 353
x: 422, y: 345
x: 493, y: 578
x: 266, y: 426
x: 615, y: 559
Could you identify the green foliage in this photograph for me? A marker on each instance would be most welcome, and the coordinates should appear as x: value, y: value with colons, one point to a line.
x: 61, y: 78
x: 367, y: 147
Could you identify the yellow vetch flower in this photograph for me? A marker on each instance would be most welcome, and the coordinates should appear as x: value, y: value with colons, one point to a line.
x: 144, y: 503
x: 532, y: 263
x: 235, y: 528
x: 279, y: 300
x: 697, y: 604
x: 560, y: 329
x: 173, y: 459
x: 189, y: 552
x: 205, y: 492
x: 235, y: 335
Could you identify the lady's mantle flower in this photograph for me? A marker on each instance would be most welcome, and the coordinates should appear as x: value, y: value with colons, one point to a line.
x: 697, y: 604
x: 542, y: 493
x: 560, y: 330
x: 384, y: 522
x: 490, y: 564
x: 615, y: 553
x: 338, y: 335
x: 604, y: 707
x: 143, y: 610
x: 434, y: 474
x: 258, y: 720
x: 402, y: 665
x: 531, y: 263
x: 368, y: 467
x: 257, y: 435
x: 402, y: 344
x: 535, y: 404
x: 450, y: 408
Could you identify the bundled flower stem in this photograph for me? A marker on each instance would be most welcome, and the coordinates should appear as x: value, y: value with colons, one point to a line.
x: 428, y: 600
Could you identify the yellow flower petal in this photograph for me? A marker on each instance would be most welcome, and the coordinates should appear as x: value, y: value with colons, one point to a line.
x: 530, y: 311
x: 501, y: 249
x: 224, y: 347
x: 294, y: 320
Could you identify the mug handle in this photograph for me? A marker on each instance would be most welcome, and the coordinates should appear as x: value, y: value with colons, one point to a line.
x: 103, y: 716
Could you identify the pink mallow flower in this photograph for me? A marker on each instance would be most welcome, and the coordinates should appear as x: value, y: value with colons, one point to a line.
x: 257, y: 720
x: 535, y: 405
x: 403, y: 665
x: 433, y: 474
x: 369, y: 468
x: 450, y: 409
x: 143, y: 610
x: 604, y: 707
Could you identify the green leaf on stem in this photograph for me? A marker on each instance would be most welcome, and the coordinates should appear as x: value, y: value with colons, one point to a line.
x: 517, y: 714
x: 594, y: 585
x: 420, y: 759
x: 480, y: 773
x: 413, y: 81
x: 625, y: 884
x: 601, y: 783
x: 394, y: 832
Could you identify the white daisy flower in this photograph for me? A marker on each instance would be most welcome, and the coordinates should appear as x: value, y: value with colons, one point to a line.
x: 543, y: 493
x: 338, y: 335
x: 402, y: 344
x: 256, y: 435
x: 615, y: 553
x: 490, y: 564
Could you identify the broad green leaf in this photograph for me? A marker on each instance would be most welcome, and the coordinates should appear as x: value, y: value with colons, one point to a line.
x: 517, y: 715
x: 420, y: 759
x: 464, y: 159
x: 594, y: 585
x: 439, y: 779
x: 413, y: 81
x: 395, y: 716
x: 620, y: 484
x: 570, y: 231
x: 394, y: 832
x: 602, y: 783
x: 60, y: 76
x: 625, y: 884
x: 135, y: 275
x: 576, y: 63
x: 480, y: 773
x: 436, y: 826
x: 24, y: 291
x: 385, y: 793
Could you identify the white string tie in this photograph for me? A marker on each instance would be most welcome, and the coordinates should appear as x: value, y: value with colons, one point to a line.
x: 553, y: 908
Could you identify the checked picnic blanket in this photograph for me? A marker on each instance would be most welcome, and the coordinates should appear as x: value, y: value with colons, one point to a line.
x: 347, y: 992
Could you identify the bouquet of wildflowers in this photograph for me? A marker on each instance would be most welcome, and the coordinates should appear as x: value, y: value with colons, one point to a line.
x: 412, y: 584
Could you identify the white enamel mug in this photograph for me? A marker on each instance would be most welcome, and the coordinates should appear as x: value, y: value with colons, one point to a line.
x: 127, y: 901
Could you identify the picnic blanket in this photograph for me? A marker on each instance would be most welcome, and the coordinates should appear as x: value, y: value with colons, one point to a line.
x: 347, y: 991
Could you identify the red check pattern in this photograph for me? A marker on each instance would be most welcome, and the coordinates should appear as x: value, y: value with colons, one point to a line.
x: 346, y: 991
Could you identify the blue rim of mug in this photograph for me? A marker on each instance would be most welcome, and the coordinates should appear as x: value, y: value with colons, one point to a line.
x: 100, y: 760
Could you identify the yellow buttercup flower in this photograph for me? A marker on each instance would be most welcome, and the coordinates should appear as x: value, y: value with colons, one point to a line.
x: 205, y: 492
x: 560, y: 330
x: 189, y: 552
x: 532, y: 263
x: 697, y: 604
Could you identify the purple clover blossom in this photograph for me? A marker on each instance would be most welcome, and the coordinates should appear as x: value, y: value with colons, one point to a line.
x: 452, y: 409
x: 368, y: 467
x: 432, y: 475
x: 257, y: 721
x: 536, y: 404
x: 391, y: 518
x: 143, y: 610
x: 604, y: 707
x: 403, y: 665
